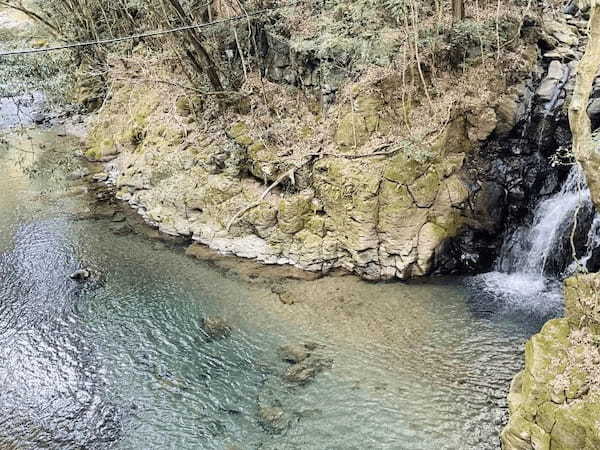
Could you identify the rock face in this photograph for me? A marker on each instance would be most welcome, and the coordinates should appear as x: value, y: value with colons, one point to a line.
x: 396, y: 216
x: 439, y: 205
x: 555, y: 401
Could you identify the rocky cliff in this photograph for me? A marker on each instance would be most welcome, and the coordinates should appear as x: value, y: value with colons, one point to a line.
x: 335, y: 180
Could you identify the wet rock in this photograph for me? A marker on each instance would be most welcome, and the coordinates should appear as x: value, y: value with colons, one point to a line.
x: 561, y: 53
x: 103, y: 211
x: 293, y: 353
x: 81, y: 275
x: 556, y: 70
x: 282, y: 293
x: 38, y: 118
x: 215, y: 328
x: 546, y: 91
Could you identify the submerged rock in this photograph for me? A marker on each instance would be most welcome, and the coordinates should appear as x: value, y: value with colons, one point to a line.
x: 273, y: 419
x: 120, y: 228
x: 293, y: 353
x: 78, y: 174
x: 215, y: 328
x: 305, y: 371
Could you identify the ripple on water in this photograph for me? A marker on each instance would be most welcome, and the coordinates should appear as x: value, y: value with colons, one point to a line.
x: 122, y: 362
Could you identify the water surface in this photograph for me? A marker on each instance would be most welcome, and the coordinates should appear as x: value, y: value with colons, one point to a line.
x: 122, y: 362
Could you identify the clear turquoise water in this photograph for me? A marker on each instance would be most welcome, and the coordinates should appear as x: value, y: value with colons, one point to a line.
x: 122, y: 363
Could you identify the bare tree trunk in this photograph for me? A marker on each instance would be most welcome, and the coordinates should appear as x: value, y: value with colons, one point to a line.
x: 584, y: 148
x: 458, y: 10
x: 195, y: 39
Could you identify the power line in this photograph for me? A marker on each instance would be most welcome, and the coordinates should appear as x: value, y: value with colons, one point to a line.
x: 141, y: 35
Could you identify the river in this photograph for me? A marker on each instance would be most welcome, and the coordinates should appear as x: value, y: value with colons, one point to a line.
x: 121, y: 361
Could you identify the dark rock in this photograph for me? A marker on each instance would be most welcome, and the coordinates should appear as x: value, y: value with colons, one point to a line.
x: 594, y: 110
x: 38, y: 118
x: 215, y: 328
x: 81, y: 275
x: 103, y: 211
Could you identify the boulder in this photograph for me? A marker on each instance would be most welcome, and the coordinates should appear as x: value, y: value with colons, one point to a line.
x: 562, y: 32
x: 594, y: 109
x: 547, y: 89
x: 100, y: 177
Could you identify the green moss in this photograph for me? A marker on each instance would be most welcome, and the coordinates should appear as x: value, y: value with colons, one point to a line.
x: 293, y: 213
x: 316, y: 225
x: 239, y: 129
x: 425, y: 189
x: 93, y: 154
x: 403, y: 170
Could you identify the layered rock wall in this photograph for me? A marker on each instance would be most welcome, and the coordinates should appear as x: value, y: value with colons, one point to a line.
x: 343, y: 200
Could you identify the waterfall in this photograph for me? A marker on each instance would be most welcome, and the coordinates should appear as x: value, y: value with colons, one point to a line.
x: 528, y: 250
x: 534, y: 259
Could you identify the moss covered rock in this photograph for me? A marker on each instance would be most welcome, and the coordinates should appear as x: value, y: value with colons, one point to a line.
x: 555, y: 401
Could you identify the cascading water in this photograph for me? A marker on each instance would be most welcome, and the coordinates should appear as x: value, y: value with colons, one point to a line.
x: 534, y: 259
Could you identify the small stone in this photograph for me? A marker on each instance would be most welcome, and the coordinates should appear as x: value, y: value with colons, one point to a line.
x: 215, y: 328
x: 293, y: 353
x: 81, y: 275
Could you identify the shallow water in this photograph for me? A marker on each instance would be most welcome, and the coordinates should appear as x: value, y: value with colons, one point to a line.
x: 121, y: 362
